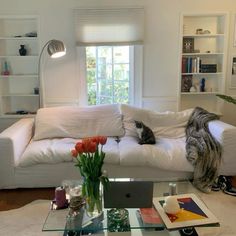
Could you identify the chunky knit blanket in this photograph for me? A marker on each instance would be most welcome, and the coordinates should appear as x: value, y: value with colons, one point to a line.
x: 203, y: 150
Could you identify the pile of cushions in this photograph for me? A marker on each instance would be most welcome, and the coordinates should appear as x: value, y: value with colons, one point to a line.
x: 57, y: 129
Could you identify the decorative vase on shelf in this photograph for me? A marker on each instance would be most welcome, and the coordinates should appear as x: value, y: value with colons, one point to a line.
x: 202, y: 85
x: 6, y: 70
x: 22, y: 50
x: 89, y: 157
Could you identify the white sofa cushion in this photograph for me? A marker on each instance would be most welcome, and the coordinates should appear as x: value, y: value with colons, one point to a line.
x: 167, y: 154
x: 78, y: 122
x: 163, y: 124
x: 51, y: 151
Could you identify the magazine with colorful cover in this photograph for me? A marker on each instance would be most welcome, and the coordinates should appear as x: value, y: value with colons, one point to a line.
x: 193, y: 212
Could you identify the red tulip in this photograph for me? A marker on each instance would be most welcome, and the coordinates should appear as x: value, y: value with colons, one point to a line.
x: 74, y: 153
x: 95, y: 139
x: 92, y: 147
x: 102, y: 140
x: 79, y: 147
x: 86, y: 143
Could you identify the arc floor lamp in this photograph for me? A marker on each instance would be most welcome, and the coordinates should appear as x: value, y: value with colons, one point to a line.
x: 55, y: 49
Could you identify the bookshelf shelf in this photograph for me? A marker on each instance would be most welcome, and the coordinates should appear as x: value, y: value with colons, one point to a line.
x: 20, y: 57
x: 7, y: 116
x: 19, y: 38
x: 20, y: 95
x: 202, y: 60
x: 203, y: 35
x: 18, y: 73
x: 203, y: 74
x: 199, y: 93
x: 203, y: 54
x: 18, y: 76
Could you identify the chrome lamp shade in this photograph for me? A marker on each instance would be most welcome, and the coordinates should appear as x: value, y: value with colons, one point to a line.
x: 56, y: 48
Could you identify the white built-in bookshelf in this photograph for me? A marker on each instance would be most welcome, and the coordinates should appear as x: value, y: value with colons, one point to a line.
x: 203, y: 50
x: 18, y: 73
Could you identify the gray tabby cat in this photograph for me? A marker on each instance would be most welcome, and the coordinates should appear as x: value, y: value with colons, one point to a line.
x: 145, y: 134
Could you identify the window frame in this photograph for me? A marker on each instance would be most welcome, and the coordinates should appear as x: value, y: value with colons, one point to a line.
x: 136, y: 73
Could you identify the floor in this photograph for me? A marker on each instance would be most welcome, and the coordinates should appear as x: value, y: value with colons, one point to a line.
x: 223, y: 206
x: 15, y: 198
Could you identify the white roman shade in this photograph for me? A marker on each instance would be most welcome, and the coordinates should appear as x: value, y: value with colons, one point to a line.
x: 123, y: 26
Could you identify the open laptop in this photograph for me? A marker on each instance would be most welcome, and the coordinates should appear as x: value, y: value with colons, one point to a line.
x: 128, y: 194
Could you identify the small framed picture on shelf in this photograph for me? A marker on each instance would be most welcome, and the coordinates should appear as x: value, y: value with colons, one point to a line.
x: 188, y: 45
x: 186, y: 83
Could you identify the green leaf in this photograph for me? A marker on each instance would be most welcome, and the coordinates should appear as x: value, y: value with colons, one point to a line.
x: 105, y: 182
x: 227, y: 98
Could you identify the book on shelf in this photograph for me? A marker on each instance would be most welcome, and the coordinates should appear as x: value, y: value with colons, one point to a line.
x: 194, y: 65
x: 191, y: 64
x: 199, y: 62
x: 193, y: 212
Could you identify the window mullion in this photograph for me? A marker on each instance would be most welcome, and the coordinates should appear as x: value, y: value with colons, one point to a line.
x: 131, y: 75
x: 112, y: 62
x: 96, y: 76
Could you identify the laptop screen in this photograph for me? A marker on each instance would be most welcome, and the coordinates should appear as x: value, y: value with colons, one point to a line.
x: 128, y: 194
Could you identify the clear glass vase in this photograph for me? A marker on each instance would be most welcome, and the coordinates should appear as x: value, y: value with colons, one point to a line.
x: 92, y: 190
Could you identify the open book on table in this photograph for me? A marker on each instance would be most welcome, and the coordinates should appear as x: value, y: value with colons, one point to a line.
x: 193, y: 212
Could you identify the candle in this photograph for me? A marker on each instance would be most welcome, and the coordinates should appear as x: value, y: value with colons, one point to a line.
x: 60, y: 197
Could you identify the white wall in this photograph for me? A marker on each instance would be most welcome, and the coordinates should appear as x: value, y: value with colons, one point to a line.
x: 161, y: 49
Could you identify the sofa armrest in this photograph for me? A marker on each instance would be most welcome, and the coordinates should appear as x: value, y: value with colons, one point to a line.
x: 13, y: 142
x: 226, y: 135
x: 223, y: 132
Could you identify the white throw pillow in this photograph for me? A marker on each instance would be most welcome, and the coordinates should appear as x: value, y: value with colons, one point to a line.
x: 130, y: 114
x: 163, y: 124
x: 78, y: 122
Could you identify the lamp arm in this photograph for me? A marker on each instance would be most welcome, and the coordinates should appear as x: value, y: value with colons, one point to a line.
x: 41, y: 92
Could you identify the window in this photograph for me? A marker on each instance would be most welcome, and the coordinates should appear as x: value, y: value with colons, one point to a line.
x: 109, y: 74
x: 109, y: 70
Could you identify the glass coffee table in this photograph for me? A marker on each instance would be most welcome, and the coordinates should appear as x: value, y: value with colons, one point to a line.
x: 58, y: 220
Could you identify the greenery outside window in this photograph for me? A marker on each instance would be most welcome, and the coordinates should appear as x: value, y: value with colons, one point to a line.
x: 109, y: 71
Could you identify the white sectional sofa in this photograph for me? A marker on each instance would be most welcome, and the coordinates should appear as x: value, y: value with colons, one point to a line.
x: 36, y: 152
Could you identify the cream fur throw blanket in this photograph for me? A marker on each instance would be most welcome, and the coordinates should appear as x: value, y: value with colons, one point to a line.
x: 203, y: 151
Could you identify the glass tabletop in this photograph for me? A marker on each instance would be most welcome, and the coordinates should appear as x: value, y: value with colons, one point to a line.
x: 58, y: 220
